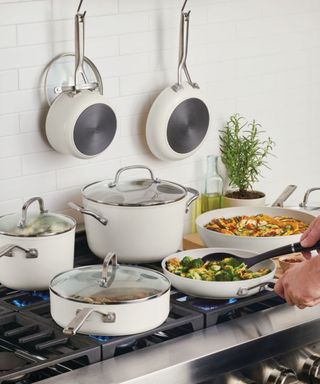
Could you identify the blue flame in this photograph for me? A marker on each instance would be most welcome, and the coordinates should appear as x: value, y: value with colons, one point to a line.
x: 30, y: 298
x: 101, y: 338
x: 232, y: 301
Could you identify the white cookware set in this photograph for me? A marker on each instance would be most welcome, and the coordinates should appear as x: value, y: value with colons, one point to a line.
x: 134, y: 220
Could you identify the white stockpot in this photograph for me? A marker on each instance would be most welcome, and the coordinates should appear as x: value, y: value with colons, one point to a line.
x: 110, y: 300
x: 35, y: 247
x: 141, y: 220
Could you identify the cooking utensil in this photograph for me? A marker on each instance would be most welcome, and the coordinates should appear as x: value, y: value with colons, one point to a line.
x: 140, y: 219
x: 178, y: 121
x: 285, y: 250
x: 259, y: 244
x: 109, y: 299
x: 81, y: 122
x: 220, y: 289
x: 35, y: 247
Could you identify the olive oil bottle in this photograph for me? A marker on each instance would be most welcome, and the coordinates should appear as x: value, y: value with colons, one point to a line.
x: 211, y: 195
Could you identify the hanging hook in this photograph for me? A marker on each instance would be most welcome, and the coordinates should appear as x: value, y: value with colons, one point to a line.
x: 79, y: 7
x: 184, y: 5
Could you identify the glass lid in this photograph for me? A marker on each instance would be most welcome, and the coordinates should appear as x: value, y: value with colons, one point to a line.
x: 110, y: 283
x: 138, y: 192
x: 26, y: 224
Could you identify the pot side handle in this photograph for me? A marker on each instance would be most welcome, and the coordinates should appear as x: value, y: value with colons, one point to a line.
x: 31, y: 253
x: 82, y: 315
x: 195, y: 195
x: 88, y: 212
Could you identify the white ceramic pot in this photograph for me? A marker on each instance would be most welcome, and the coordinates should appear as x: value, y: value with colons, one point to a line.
x: 231, y: 202
x: 121, y: 312
x: 142, y: 220
x: 32, y: 255
x: 256, y: 244
x: 219, y: 289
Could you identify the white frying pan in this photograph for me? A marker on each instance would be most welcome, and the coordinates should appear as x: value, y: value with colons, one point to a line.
x: 220, y: 289
x: 178, y: 121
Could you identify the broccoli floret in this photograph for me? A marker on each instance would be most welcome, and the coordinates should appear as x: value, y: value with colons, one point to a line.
x: 186, y: 262
x: 223, y: 276
x: 232, y: 261
x: 196, y: 263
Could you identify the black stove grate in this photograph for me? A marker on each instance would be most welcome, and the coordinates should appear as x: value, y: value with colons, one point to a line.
x: 217, y: 311
x: 42, y: 346
x: 181, y: 321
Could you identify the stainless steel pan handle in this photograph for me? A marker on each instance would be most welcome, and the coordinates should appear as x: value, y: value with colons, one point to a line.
x: 88, y: 212
x: 242, y: 292
x: 31, y: 253
x: 82, y: 315
x: 79, y: 49
x: 195, y: 195
x: 284, y: 196
x: 183, y: 50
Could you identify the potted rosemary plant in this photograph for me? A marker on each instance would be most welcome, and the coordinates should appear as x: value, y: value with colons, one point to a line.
x: 243, y: 152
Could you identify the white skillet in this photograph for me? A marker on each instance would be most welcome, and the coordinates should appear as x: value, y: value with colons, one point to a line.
x: 178, y: 121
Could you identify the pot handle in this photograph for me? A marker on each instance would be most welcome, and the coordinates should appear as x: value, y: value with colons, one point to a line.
x: 195, y: 195
x: 31, y: 253
x: 106, y: 278
x: 121, y: 170
x: 242, y: 292
x: 88, y: 212
x: 304, y: 204
x: 82, y: 315
x: 26, y: 205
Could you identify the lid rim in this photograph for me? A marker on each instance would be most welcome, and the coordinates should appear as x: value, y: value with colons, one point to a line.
x: 135, y: 301
x: 74, y: 224
x: 161, y: 293
x: 132, y: 205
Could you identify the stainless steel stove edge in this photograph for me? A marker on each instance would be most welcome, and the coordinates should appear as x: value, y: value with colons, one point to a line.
x: 206, y: 353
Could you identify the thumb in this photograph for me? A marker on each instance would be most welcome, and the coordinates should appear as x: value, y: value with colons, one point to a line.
x: 312, y: 235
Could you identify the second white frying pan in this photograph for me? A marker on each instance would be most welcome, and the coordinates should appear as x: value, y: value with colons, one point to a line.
x: 179, y: 119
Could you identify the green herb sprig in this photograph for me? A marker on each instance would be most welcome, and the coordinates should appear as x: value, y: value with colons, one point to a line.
x: 244, y: 152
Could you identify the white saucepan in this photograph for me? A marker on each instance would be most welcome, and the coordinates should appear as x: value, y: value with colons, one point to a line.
x: 81, y: 122
x: 35, y: 247
x: 179, y: 119
x: 109, y: 300
x: 220, y: 289
x: 141, y: 220
x: 256, y: 244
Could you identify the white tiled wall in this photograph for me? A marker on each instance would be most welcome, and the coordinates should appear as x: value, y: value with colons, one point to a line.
x: 260, y: 58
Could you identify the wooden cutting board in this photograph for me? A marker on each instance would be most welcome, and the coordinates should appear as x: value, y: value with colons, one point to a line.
x: 193, y: 241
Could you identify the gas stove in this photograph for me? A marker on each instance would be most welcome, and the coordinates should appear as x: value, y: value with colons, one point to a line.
x: 34, y: 349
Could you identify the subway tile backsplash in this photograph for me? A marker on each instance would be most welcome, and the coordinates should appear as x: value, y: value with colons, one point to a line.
x: 260, y: 58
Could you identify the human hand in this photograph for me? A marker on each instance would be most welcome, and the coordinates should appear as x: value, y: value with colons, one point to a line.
x: 311, y: 236
x: 300, y: 285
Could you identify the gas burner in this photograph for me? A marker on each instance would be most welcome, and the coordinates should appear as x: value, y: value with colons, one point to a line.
x: 26, y: 299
